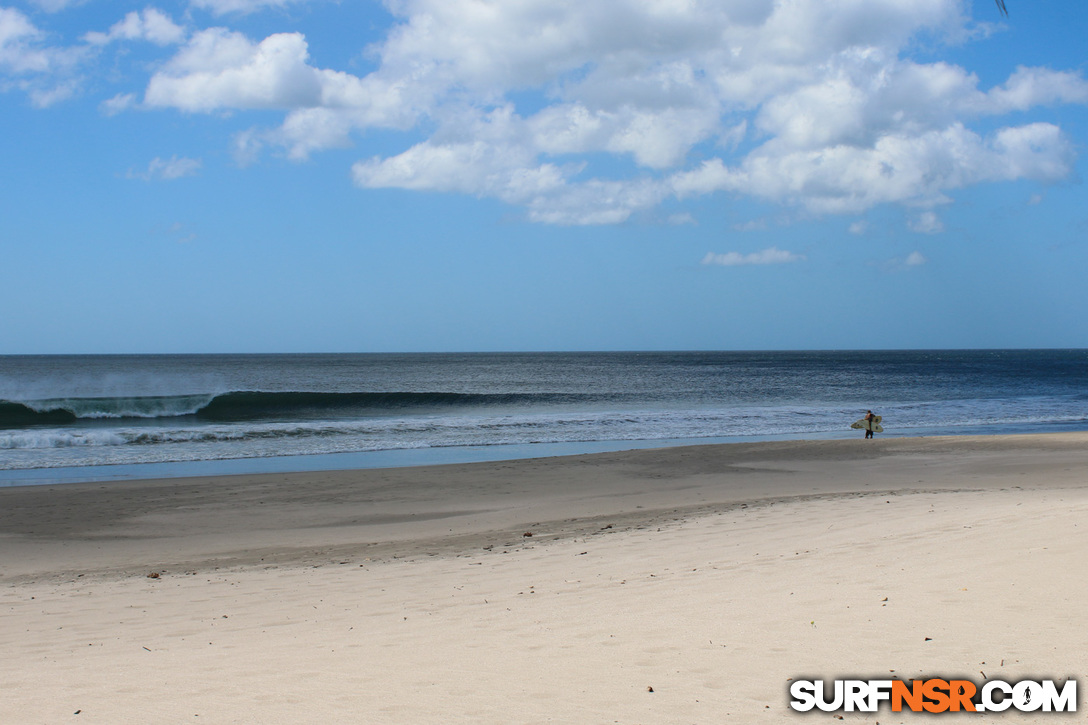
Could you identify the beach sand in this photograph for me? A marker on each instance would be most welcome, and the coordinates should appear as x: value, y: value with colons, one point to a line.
x: 678, y: 585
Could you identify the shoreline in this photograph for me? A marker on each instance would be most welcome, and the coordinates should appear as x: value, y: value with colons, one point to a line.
x: 711, y: 574
x: 415, y: 457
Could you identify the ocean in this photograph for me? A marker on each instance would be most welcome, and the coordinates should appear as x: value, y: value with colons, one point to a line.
x: 89, y: 417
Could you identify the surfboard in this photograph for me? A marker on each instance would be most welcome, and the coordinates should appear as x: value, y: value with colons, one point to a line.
x: 864, y: 424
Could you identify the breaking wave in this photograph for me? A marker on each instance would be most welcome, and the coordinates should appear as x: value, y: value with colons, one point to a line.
x: 255, y: 405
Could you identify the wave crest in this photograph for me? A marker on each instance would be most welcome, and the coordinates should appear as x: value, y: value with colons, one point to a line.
x: 255, y: 405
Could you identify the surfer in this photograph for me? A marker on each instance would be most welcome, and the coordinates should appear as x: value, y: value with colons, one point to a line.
x: 869, y: 428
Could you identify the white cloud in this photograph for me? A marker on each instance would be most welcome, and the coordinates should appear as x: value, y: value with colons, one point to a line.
x: 53, y: 94
x: 118, y: 104
x: 27, y: 63
x: 151, y: 25
x: 772, y: 255
x: 656, y: 139
x: 219, y: 69
x: 19, y: 51
x: 506, y: 170
x: 927, y: 223
x: 859, y: 227
x: 802, y: 103
x: 591, y: 112
x: 222, y: 69
x: 915, y: 259
x: 898, y: 168
x: 168, y: 169
x: 488, y: 156
x: 1029, y: 87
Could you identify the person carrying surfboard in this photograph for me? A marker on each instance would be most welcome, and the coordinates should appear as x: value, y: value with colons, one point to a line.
x: 870, y: 424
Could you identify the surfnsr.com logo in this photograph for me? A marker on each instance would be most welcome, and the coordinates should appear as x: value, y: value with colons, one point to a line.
x: 934, y: 695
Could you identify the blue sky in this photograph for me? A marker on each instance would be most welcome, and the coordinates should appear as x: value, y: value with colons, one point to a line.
x: 418, y: 175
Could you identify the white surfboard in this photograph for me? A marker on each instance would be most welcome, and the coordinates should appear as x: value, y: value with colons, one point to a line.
x: 864, y: 424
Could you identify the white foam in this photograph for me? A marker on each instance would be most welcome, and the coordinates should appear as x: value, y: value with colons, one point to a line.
x: 60, y: 439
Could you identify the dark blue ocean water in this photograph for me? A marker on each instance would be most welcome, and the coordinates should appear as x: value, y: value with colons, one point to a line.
x: 72, y: 412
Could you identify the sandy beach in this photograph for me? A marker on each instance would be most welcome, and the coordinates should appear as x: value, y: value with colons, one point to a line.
x: 677, y: 585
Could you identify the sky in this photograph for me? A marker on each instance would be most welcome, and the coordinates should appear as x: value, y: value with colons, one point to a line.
x: 489, y: 175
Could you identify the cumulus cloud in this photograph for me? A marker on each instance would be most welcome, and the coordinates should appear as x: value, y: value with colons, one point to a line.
x: 896, y: 168
x: 168, y: 169
x: 771, y: 255
x: 915, y: 259
x: 591, y: 112
x: 842, y: 122
x: 1029, y: 87
x: 218, y: 69
x: 223, y: 69
x: 151, y: 25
